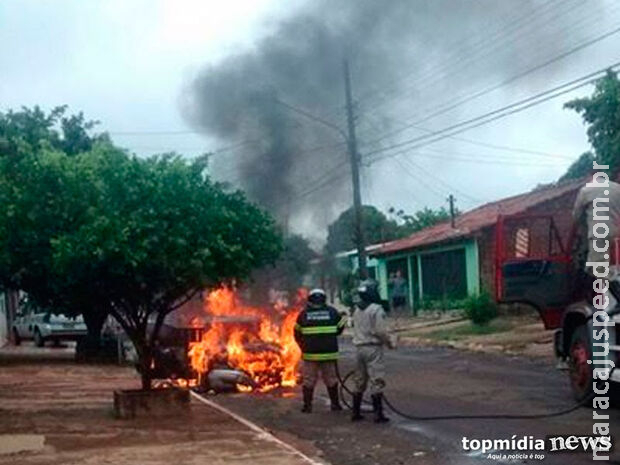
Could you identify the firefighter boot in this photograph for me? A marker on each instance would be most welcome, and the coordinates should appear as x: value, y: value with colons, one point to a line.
x: 377, y: 406
x: 307, y: 395
x: 333, y: 397
x: 357, y: 407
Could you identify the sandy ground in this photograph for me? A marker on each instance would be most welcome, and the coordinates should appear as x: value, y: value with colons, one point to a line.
x: 527, y: 336
x: 57, y: 412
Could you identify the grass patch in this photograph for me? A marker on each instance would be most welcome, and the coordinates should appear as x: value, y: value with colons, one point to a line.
x: 468, y: 329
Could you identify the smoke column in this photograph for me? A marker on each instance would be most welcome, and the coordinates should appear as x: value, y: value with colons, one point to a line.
x: 413, y: 53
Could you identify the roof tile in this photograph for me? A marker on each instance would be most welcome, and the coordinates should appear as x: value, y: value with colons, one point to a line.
x: 474, y: 220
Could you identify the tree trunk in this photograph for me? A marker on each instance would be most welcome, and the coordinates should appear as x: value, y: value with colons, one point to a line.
x: 12, y: 305
x: 89, y: 348
x: 146, y: 360
x: 136, y: 331
x: 146, y: 380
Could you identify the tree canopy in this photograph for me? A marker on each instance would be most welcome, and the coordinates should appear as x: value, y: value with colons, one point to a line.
x: 601, y: 112
x: 579, y: 168
x: 29, y: 130
x: 419, y: 220
x: 377, y: 228
x: 102, y: 231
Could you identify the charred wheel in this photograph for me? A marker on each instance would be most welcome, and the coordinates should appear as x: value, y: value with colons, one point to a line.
x: 580, y: 371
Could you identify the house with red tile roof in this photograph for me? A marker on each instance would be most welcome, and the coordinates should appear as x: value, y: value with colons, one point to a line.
x: 452, y: 262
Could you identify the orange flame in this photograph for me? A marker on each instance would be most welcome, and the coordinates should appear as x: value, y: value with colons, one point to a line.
x: 259, y: 342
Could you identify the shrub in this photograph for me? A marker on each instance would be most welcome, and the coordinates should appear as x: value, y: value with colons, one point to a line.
x: 480, y: 309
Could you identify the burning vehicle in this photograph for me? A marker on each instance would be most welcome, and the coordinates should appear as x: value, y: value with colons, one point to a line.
x: 218, y: 342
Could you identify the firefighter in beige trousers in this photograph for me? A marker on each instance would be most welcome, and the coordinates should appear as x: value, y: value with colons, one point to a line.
x: 370, y: 336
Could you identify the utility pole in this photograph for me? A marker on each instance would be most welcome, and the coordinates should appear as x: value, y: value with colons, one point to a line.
x: 355, y: 174
x: 451, y: 200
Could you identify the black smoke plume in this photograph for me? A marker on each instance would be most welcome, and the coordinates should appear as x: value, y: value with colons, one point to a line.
x: 407, y: 57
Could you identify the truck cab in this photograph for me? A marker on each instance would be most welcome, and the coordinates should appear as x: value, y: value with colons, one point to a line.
x: 549, y: 276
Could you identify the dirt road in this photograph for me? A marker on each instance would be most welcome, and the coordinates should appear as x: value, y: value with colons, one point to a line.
x: 432, y: 381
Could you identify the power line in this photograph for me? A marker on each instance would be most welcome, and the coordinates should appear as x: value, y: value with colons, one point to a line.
x: 509, y: 148
x: 498, y: 113
x: 231, y: 169
x: 495, y: 146
x: 313, y: 117
x: 505, y: 82
x: 454, y: 129
x: 179, y: 132
x: 502, y: 157
x: 464, y: 54
x: 447, y: 156
x: 561, y: 34
x: 441, y: 181
x: 210, y: 151
x: 421, y: 180
x: 324, y: 180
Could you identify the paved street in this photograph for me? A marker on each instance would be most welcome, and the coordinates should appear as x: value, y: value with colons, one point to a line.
x: 434, y: 381
x: 425, y: 381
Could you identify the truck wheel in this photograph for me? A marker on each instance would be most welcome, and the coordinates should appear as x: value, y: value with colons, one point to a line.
x: 579, y: 370
x: 16, y: 339
x: 38, y: 339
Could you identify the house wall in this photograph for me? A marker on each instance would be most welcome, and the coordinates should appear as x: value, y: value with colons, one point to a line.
x: 371, y: 265
x: 480, y: 252
x: 414, y: 273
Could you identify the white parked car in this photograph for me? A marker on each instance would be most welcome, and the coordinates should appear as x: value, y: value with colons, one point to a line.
x: 44, y: 326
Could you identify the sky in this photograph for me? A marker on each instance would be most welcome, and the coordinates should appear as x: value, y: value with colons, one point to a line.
x: 150, y: 71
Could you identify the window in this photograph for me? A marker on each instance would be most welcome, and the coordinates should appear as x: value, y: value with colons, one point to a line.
x: 444, y: 275
x: 522, y: 243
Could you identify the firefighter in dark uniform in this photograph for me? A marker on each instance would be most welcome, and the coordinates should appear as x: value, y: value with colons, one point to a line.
x: 316, y: 332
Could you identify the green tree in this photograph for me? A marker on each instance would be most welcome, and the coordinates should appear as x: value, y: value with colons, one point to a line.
x: 104, y: 231
x: 579, y: 168
x: 601, y: 112
x: 30, y: 130
x: 420, y: 220
x: 377, y: 228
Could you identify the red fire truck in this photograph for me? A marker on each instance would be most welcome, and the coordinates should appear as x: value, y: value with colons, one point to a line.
x: 539, y: 266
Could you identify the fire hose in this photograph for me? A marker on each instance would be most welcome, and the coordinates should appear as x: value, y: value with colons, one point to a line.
x: 500, y: 416
x: 410, y: 416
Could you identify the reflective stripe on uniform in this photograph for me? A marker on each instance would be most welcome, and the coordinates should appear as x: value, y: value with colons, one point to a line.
x: 320, y: 357
x: 319, y: 330
x: 342, y: 322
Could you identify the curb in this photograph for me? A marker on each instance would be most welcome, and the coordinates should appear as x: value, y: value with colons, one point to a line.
x: 263, y: 434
